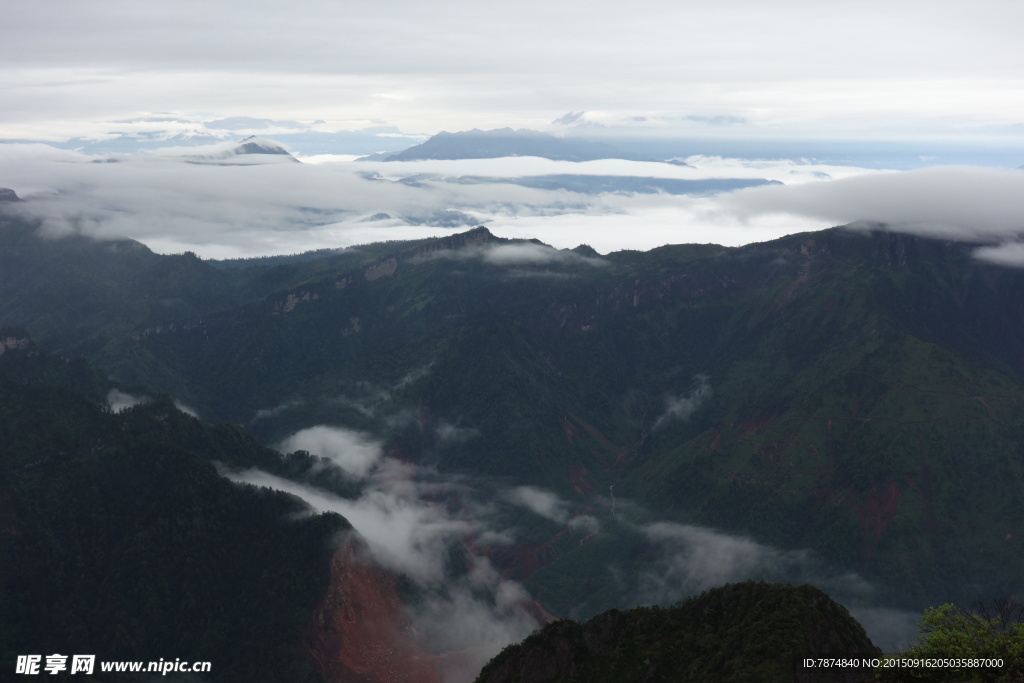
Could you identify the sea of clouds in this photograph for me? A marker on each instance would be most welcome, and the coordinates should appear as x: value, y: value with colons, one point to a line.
x: 220, y: 211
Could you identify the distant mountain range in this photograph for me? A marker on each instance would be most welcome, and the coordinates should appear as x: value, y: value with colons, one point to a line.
x: 598, y: 184
x: 506, y: 142
x: 303, y: 138
x: 581, y: 183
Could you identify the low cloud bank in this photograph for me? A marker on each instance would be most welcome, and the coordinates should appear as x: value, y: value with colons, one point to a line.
x: 233, y: 211
x: 957, y: 203
x: 522, y: 254
x: 228, y: 211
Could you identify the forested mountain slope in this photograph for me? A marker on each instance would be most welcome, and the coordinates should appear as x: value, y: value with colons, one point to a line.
x: 119, y: 538
x: 856, y: 394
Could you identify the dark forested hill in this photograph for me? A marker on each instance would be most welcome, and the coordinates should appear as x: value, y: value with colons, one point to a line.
x: 858, y: 394
x: 119, y: 538
x: 739, y: 632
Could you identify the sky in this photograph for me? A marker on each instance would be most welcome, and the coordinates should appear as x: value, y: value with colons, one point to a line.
x: 735, y: 68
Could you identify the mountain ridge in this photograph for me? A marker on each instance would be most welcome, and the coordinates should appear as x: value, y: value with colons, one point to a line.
x: 505, y: 142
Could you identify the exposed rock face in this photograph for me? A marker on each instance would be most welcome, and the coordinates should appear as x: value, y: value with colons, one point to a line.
x: 381, y: 270
x: 8, y: 195
x: 360, y: 633
x: 293, y: 299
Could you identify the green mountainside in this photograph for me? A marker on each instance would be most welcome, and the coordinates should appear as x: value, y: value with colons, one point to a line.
x: 119, y: 538
x: 739, y: 632
x: 855, y: 394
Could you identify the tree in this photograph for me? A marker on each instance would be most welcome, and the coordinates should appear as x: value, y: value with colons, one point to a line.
x: 992, y: 632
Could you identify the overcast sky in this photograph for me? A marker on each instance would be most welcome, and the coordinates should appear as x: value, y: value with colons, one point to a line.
x: 935, y: 68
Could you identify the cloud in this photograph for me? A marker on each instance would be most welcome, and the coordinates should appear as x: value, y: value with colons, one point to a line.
x: 539, y: 502
x: 693, y: 559
x: 890, y: 629
x: 586, y: 523
x: 404, y: 532
x: 432, y: 528
x: 783, y: 67
x: 229, y: 211
x: 522, y: 254
x: 250, y: 210
x: 1009, y: 254
x: 188, y: 410
x: 477, y: 615
x: 512, y: 256
x: 268, y: 413
x: 354, y: 452
x: 413, y: 526
x: 500, y: 538
x: 119, y: 400
x: 451, y: 434
x: 961, y: 203
x: 682, y: 407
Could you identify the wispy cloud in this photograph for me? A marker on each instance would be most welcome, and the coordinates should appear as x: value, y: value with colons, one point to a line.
x: 540, y: 502
x: 405, y: 532
x: 693, y: 559
x: 119, y: 400
x: 1006, y: 254
x: 465, y: 606
x: 520, y: 254
x: 682, y: 407
x: 354, y: 452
